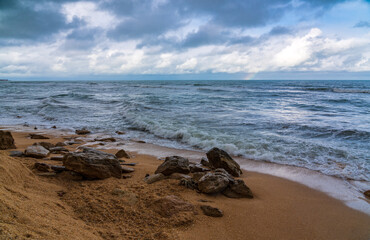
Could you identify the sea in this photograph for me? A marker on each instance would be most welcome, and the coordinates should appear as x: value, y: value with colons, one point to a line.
x: 319, y: 125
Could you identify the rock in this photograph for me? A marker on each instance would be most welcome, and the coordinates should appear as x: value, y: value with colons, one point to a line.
x: 220, y: 159
x: 171, y: 205
x: 127, y: 170
x: 188, y: 183
x: 46, y: 145
x: 16, y: 154
x: 221, y: 171
x: 139, y: 141
x: 60, y: 144
x: 93, y: 164
x: 154, y: 178
x: 367, y: 194
x: 6, y: 140
x: 122, y: 154
x: 54, y: 127
x: 109, y: 139
x: 212, y: 183
x: 120, y: 132
x: 174, y: 164
x: 37, y: 136
x: 42, y: 167
x: 57, y: 158
x: 197, y: 168
x: 36, y: 151
x: 129, y: 164
x: 179, y: 176
x: 97, y: 152
x: 205, y: 162
x: 59, y: 150
x: 82, y: 131
x: 238, y: 189
x: 198, y: 175
x: 211, y: 211
x: 57, y: 168
x: 126, y: 176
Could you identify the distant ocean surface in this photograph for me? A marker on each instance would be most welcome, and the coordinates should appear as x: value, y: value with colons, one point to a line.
x: 320, y: 125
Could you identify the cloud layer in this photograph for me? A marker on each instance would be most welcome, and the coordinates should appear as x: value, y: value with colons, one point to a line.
x: 66, y: 38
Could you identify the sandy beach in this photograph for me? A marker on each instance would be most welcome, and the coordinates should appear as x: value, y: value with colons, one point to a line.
x: 35, y: 206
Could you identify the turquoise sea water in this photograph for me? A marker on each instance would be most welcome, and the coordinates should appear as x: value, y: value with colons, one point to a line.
x: 320, y: 125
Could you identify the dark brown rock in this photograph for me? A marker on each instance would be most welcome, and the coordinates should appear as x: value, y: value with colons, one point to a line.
x: 58, y: 150
x: 60, y: 144
x: 36, y: 151
x: 367, y: 194
x: 58, y: 168
x: 57, y: 158
x: 220, y: 159
x: 37, y: 136
x: 238, y: 189
x: 120, y: 132
x: 127, y: 169
x: 174, y: 164
x: 6, y: 140
x: 109, y: 139
x: 122, y: 154
x: 194, y: 167
x: 46, y: 145
x: 42, y: 167
x: 82, y: 131
x: 212, y: 183
x: 93, y: 164
x: 171, y: 205
x: 205, y: 162
x: 211, y: 211
x: 16, y: 154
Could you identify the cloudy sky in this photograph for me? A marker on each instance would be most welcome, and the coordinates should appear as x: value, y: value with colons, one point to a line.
x: 185, y: 39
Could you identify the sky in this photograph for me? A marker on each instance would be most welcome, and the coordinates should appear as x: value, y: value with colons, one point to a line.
x: 184, y: 39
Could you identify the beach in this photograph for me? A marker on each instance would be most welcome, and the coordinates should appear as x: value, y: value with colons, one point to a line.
x: 59, y: 206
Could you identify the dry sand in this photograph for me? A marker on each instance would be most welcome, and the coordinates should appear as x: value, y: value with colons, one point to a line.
x: 58, y: 207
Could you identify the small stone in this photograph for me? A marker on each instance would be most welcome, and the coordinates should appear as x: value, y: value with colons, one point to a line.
x: 154, y: 178
x: 122, y: 154
x: 54, y: 127
x: 37, y: 136
x: 16, y: 154
x: 126, y: 176
x: 60, y: 144
x: 82, y: 131
x: 367, y: 194
x: 127, y: 170
x: 109, y: 139
x: 120, y: 132
x: 129, y: 164
x: 42, y: 167
x: 36, y: 151
x: 174, y: 164
x: 211, y: 211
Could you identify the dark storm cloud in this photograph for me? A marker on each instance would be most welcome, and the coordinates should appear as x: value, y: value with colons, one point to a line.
x: 82, y: 39
x: 362, y: 24
x: 279, y: 30
x: 31, y: 19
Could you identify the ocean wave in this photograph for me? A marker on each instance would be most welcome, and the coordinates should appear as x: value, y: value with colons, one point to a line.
x: 347, y: 90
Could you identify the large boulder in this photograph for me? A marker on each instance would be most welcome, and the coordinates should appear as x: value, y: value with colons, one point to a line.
x: 93, y: 164
x: 36, y: 151
x: 6, y: 140
x: 174, y: 164
x: 218, y: 158
x: 213, y: 183
x: 238, y: 189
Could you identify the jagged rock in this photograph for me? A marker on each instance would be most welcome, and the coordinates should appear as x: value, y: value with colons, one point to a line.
x: 212, y: 183
x: 179, y: 176
x: 127, y: 169
x: 108, y: 139
x: 211, y: 211
x: 221, y: 171
x: 93, y: 164
x: 238, y: 189
x: 16, y: 154
x: 46, y: 145
x: 171, y: 205
x: 197, y: 168
x: 154, y: 178
x: 6, y: 140
x: 205, y: 162
x: 82, y: 131
x: 60, y: 144
x: 42, y: 167
x: 36, y: 151
x: 58, y: 150
x: 174, y: 164
x: 122, y: 154
x: 37, y: 136
x: 220, y: 159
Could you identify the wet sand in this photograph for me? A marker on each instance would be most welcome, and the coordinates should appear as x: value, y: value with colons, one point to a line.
x: 57, y: 207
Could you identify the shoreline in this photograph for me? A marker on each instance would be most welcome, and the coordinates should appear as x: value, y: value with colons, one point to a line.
x: 349, y: 192
x: 88, y: 209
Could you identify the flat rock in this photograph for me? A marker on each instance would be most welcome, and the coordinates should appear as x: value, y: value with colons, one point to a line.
x: 60, y: 144
x: 42, y: 167
x: 174, y: 164
x: 211, y: 211
x: 58, y: 150
x: 218, y: 158
x: 16, y: 154
x: 196, y: 167
x: 171, y: 205
x: 36, y: 151
x: 238, y: 189
x: 212, y: 183
x: 93, y: 164
x: 82, y: 131
x: 122, y: 154
x: 179, y: 176
x: 37, y: 136
x: 154, y: 178
x: 108, y: 139
x: 6, y: 140
x: 46, y: 145
x: 127, y: 169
